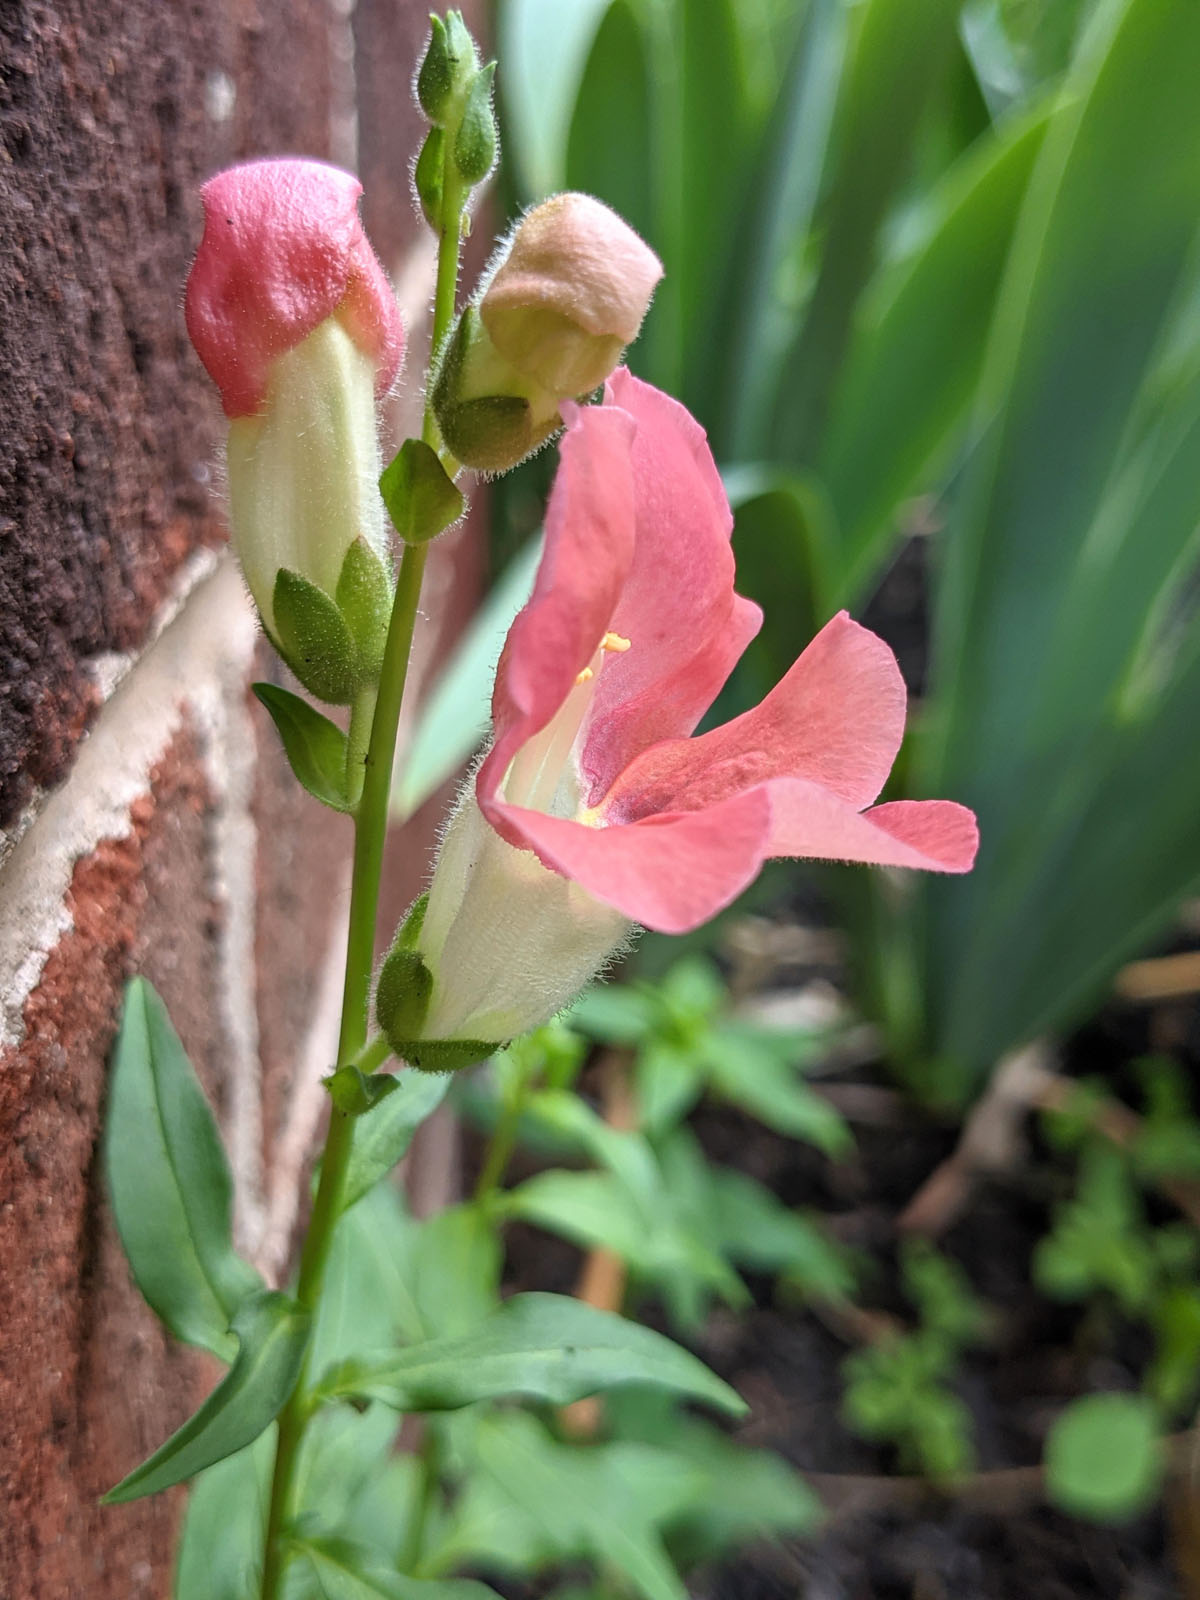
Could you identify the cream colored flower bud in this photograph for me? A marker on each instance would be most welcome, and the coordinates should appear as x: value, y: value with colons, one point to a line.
x: 570, y: 294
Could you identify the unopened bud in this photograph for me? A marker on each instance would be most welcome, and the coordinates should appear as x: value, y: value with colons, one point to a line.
x: 491, y: 416
x: 570, y: 294
x: 448, y: 67
x: 291, y: 313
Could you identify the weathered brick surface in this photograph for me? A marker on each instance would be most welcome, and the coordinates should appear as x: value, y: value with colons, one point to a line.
x: 89, y: 1383
x: 110, y: 115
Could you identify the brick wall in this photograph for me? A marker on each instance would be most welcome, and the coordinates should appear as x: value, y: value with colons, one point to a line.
x: 149, y: 823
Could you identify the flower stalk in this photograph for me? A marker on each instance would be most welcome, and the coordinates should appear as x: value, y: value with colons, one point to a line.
x: 370, y: 833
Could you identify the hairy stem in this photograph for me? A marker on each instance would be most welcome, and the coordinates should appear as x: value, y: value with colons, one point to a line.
x: 370, y: 833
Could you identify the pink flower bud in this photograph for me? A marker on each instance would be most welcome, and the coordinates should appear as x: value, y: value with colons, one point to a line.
x: 570, y: 294
x: 283, y: 250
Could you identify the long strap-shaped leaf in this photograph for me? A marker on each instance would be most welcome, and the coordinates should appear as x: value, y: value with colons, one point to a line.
x: 1032, y: 615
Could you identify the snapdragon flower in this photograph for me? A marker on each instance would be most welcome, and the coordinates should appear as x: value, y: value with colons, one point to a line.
x: 595, y: 808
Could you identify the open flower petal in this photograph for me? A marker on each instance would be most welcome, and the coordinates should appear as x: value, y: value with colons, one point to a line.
x: 808, y: 820
x: 589, y: 547
x: 836, y: 718
x: 678, y: 605
x: 670, y: 873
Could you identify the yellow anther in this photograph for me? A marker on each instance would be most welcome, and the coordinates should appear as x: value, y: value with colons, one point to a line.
x: 615, y: 643
x: 585, y: 676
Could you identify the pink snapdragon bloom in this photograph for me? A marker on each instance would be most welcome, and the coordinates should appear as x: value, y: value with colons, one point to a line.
x: 283, y: 249
x: 632, y: 629
x: 595, y: 808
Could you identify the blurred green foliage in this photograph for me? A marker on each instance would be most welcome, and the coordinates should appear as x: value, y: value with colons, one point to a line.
x: 935, y: 267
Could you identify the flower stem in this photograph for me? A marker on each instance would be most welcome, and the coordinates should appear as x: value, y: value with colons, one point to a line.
x: 370, y: 832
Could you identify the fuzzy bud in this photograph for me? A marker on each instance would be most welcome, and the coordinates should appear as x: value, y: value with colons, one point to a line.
x: 292, y: 315
x: 491, y: 416
x: 570, y: 294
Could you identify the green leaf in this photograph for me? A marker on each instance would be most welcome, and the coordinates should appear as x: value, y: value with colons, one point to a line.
x: 917, y: 350
x: 786, y: 184
x: 543, y: 1346
x: 221, y: 1544
x: 758, y: 1232
x: 315, y: 747
x: 355, y: 1092
x: 454, y: 1271
x: 596, y: 1209
x: 272, y: 1332
x: 1104, y: 1460
x: 617, y: 1013
x: 1072, y: 526
x: 533, y: 1501
x: 345, y: 1572
x: 172, y: 1194
x: 897, y: 56
x: 421, y: 499
x: 454, y: 716
x: 543, y: 45
x: 315, y: 639
x: 384, y: 1137
x: 764, y: 1083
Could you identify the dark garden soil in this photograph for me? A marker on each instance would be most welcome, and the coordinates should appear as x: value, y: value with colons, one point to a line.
x: 888, y: 1536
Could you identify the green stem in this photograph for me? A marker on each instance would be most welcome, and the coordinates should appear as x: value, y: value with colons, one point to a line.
x: 370, y: 833
x: 362, y: 715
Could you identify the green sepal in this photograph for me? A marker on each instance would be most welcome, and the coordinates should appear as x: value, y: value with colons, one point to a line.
x: 355, y: 1092
x: 409, y: 930
x: 427, y: 176
x: 364, y: 597
x: 403, y: 994
x: 315, y: 639
x: 272, y: 1332
x: 420, y: 497
x: 314, y: 746
x: 444, y: 1055
x: 435, y: 78
x: 475, y: 141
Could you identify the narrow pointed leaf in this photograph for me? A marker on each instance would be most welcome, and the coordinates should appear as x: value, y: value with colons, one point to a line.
x: 172, y: 1194
x: 547, y: 1347
x: 381, y: 1139
x: 272, y: 1332
x: 314, y: 746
